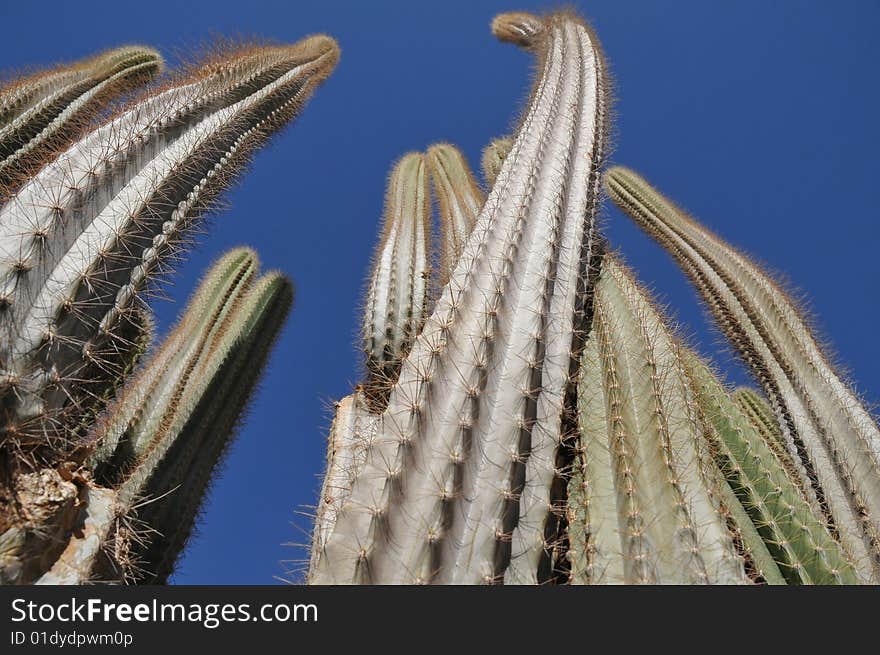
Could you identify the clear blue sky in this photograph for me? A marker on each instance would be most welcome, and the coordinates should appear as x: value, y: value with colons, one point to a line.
x: 759, y: 117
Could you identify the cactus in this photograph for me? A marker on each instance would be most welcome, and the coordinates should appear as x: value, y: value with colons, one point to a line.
x: 103, y: 476
x: 458, y: 483
x: 549, y: 425
x: 460, y: 200
x: 642, y: 507
x: 41, y: 113
x: 826, y: 430
x: 493, y: 158
x: 170, y: 425
x: 397, y: 300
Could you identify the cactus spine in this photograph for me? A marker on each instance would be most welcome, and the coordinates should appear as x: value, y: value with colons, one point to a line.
x: 827, y: 431
x: 457, y: 482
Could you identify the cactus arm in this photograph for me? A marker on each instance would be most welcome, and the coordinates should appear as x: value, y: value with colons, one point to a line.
x: 174, y: 463
x: 127, y: 431
x: 759, y: 414
x: 352, y: 429
x: 753, y: 547
x: 207, y: 422
x: 130, y: 188
x: 493, y: 158
x: 460, y: 200
x: 455, y: 384
x: 798, y: 539
x: 839, y: 444
x: 44, y: 124
x: 397, y: 299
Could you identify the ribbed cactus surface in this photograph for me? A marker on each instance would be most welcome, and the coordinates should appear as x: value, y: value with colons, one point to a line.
x: 41, y: 113
x: 829, y: 435
x: 103, y: 475
x: 458, y: 481
x: 80, y: 239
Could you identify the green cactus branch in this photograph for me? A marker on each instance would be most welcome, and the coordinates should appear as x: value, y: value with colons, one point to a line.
x: 826, y: 429
x: 164, y: 436
x: 642, y: 506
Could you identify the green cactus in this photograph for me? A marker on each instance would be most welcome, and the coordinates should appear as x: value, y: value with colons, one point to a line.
x: 826, y: 430
x: 103, y: 476
x: 548, y: 425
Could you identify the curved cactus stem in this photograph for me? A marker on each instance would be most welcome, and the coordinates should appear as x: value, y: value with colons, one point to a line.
x: 460, y: 200
x: 129, y: 429
x: 799, y: 540
x: 397, y: 298
x: 493, y: 158
x: 80, y: 239
x: 456, y: 486
x: 354, y: 426
x: 649, y: 513
x: 163, y: 438
x: 828, y: 432
x: 39, y: 114
x: 211, y: 409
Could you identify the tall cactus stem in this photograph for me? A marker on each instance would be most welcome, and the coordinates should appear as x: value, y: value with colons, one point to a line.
x: 42, y: 113
x: 460, y: 200
x: 79, y: 240
x: 456, y: 485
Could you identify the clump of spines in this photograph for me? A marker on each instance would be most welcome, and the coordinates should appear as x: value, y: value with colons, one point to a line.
x: 831, y: 437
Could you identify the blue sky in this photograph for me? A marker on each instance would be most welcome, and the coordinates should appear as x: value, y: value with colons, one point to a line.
x: 760, y: 118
